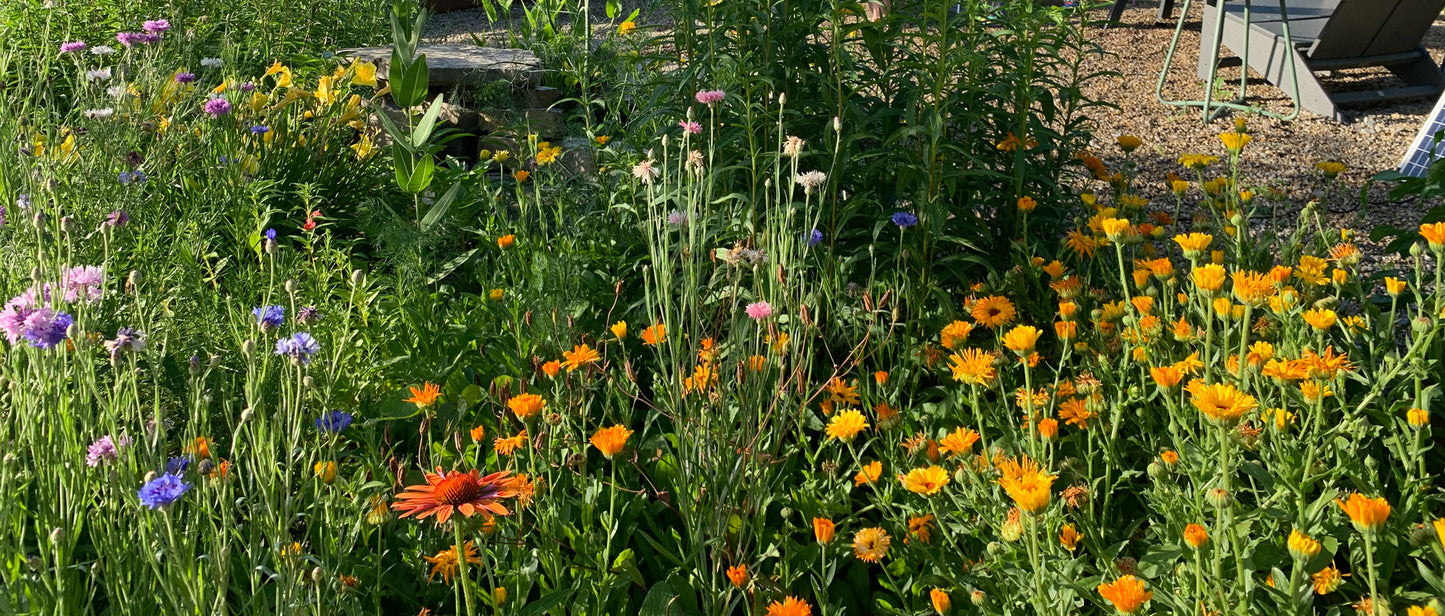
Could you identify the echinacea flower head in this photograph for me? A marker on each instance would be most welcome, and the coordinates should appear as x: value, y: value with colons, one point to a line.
x: 846, y: 425
x: 1126, y: 593
x: 1367, y: 514
x: 446, y: 562
x: 1221, y: 403
x: 269, y: 317
x: 758, y: 311
x: 870, y: 545
x: 300, y: 346
x: 1025, y: 482
x: 904, y: 220
x: 709, y: 97
x: 926, y: 481
x: 163, y: 491
x: 790, y: 606
x: 457, y: 492
x: 424, y: 396
x: 334, y: 422
x: 610, y: 440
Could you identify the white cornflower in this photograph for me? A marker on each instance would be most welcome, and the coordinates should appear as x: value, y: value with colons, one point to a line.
x: 211, y: 62
x: 811, y: 180
x: 102, y: 50
x: 793, y: 146
x: 646, y: 172
x: 99, y: 113
x: 98, y: 74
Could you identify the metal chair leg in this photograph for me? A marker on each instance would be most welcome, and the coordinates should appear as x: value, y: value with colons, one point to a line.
x: 1116, y: 12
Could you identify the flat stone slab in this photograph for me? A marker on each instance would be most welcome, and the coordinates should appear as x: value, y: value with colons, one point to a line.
x: 450, y: 64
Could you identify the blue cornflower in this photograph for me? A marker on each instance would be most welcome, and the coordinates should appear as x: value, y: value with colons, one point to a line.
x: 269, y: 317
x: 270, y: 234
x: 124, y: 177
x: 260, y: 130
x: 177, y: 465
x: 45, y: 328
x: 333, y: 422
x: 185, y: 77
x: 904, y: 220
x: 299, y: 347
x: 814, y: 237
x: 163, y: 491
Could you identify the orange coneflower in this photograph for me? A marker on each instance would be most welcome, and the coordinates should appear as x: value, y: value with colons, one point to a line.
x: 1126, y: 593
x: 871, y: 544
x: 467, y: 493
x: 611, y: 440
x: 994, y: 311
x: 426, y: 396
x: 579, y: 356
x: 1025, y: 482
x: 446, y: 561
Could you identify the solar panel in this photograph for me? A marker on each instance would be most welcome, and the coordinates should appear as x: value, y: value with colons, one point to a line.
x: 1428, y: 142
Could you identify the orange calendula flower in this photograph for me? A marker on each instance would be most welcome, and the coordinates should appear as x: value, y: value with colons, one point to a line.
x: 1302, y: 546
x: 467, y: 493
x: 1221, y: 403
x: 580, y: 356
x: 654, y: 335
x: 1194, y: 244
x: 1208, y: 278
x: 1021, y: 339
x: 972, y: 366
x: 611, y: 440
x: 870, y: 473
x: 921, y: 527
x: 994, y: 311
x: 1418, y: 418
x: 477, y: 433
x: 619, y: 329
x: 846, y: 425
x: 626, y: 27
x: 1025, y: 482
x: 1069, y: 538
x: 1169, y: 457
x: 1129, y: 143
x: 1117, y: 228
x: 509, y: 445
x: 426, y: 396
x: 1166, y: 377
x: 1048, y: 428
x: 1366, y: 513
x: 446, y: 562
x: 1434, y: 234
x: 1320, y: 318
x: 1327, y: 580
x: 1075, y: 412
x: 823, y: 530
x: 1195, y: 536
x: 738, y: 575
x: 940, y: 600
x: 954, y: 334
x: 790, y: 606
x: 1126, y: 593
x: 506, y: 241
x: 880, y: 377
x: 870, y: 545
x: 552, y: 368
x: 526, y: 405
x: 926, y: 481
x: 1252, y: 288
x: 960, y: 441
x: 1027, y: 204
x: 1235, y: 141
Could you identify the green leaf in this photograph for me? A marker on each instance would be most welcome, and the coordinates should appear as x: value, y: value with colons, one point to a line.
x: 659, y: 601
x: 422, y: 132
x: 440, y: 208
x: 547, y: 602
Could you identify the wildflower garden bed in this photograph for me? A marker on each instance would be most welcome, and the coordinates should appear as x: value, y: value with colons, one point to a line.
x: 841, y: 316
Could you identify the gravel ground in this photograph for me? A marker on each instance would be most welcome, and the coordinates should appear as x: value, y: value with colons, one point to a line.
x: 1372, y: 138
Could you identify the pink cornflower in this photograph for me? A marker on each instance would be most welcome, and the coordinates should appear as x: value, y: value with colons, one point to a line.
x: 691, y: 127
x: 759, y: 310
x: 708, y: 97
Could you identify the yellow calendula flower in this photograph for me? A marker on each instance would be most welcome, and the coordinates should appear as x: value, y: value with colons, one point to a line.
x: 926, y: 481
x: 1220, y: 402
x: 1235, y: 141
x: 1022, y: 339
x: 619, y: 329
x: 1209, y: 278
x: 626, y: 28
x: 846, y: 425
x: 1197, y: 161
x: 1025, y: 482
x: 1327, y: 580
x: 1320, y: 318
x: 1129, y: 143
x: 1302, y: 546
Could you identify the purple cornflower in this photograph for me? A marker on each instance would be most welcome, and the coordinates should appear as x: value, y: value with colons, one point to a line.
x: 299, y: 347
x: 41, y: 326
x: 156, y: 26
x: 904, y: 220
x: 185, y: 77
x: 758, y: 311
x: 260, y: 130
x: 690, y: 126
x: 130, y: 39
x: 117, y: 219
x: 269, y: 317
x: 217, y: 107
x: 105, y: 450
x: 708, y: 97
x: 308, y: 315
x: 163, y: 491
x: 333, y: 422
x: 248, y: 87
x: 126, y: 339
x: 23, y: 202
x: 72, y: 47
x: 83, y: 283
x: 814, y: 237
x: 676, y: 218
